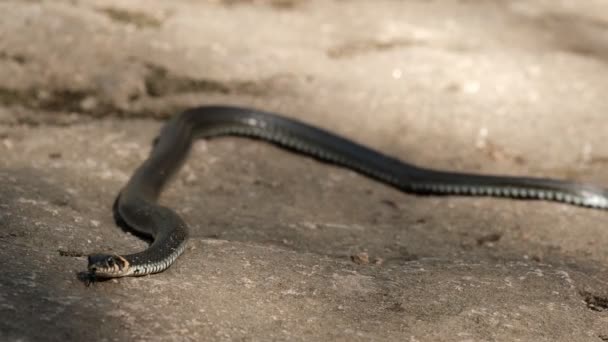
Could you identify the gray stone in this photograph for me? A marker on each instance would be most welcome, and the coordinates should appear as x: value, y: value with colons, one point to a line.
x: 510, y: 87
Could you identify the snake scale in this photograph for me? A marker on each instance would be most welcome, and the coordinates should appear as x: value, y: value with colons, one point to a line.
x: 137, y: 208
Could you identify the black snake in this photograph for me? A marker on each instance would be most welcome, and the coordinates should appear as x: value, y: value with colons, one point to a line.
x: 137, y: 208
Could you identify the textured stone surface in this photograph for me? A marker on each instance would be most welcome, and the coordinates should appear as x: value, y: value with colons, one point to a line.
x: 284, y: 247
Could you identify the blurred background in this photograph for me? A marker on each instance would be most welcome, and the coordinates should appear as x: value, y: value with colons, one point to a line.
x: 285, y: 247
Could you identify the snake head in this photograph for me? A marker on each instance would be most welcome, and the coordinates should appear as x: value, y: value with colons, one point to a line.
x: 108, y: 266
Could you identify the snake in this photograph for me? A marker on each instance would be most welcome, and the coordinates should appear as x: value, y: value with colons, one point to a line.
x: 136, y: 205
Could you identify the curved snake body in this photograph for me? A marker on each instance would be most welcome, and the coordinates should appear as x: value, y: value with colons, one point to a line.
x: 137, y: 207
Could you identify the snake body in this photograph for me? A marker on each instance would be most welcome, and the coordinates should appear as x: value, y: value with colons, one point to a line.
x: 136, y: 205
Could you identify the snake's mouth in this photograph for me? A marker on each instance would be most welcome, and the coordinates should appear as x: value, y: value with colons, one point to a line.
x: 108, y: 266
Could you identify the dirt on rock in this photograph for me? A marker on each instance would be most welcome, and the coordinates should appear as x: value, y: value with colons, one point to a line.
x: 284, y: 247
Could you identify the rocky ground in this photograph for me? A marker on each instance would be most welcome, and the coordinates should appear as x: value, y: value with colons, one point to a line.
x: 284, y: 247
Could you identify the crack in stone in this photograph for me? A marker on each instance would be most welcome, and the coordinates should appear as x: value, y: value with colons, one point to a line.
x: 71, y: 253
x: 17, y: 58
x: 138, y: 19
x: 276, y: 4
x: 595, y: 302
x: 160, y: 82
x: 355, y: 48
x: 33, y: 98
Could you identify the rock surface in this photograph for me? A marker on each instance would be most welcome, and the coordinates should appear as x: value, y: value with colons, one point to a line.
x: 284, y: 247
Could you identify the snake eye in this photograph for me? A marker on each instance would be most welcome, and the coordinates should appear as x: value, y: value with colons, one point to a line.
x: 110, y: 261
